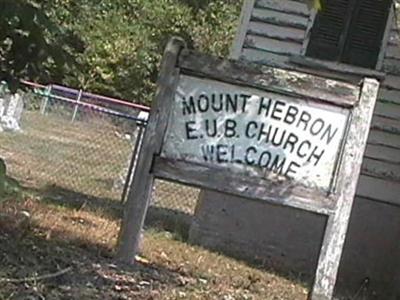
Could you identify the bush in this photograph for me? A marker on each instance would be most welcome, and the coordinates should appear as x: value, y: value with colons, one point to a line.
x: 122, y: 40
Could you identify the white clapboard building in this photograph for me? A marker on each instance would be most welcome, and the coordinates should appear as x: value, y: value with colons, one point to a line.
x: 347, y: 40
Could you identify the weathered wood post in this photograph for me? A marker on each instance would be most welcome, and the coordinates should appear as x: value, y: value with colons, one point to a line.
x: 285, y: 137
x: 140, y: 192
x: 335, y: 232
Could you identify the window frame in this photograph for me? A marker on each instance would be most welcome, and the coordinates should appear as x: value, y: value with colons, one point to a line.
x: 385, y: 39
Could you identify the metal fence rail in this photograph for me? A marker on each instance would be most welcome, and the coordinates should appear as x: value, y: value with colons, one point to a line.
x: 76, y: 145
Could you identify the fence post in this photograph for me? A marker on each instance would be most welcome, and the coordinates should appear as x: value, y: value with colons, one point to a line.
x: 76, y: 105
x: 133, y: 162
x: 47, y: 95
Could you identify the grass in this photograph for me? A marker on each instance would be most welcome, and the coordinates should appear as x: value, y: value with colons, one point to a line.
x: 84, y: 157
x: 68, y: 217
x: 53, y: 238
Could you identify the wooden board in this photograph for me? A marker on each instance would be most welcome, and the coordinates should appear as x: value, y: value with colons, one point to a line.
x: 386, y: 124
x: 336, y: 228
x: 140, y: 191
x: 270, y: 79
x: 392, y: 92
x: 248, y: 186
x: 263, y: 57
x: 379, y: 189
x: 392, y: 51
x: 382, y: 138
x: 391, y: 82
x: 383, y: 153
x: 279, y: 18
x: 381, y: 169
x: 244, y: 20
x: 254, y: 132
x: 290, y: 7
x: 272, y: 45
x: 387, y: 109
x: 391, y: 66
x: 276, y: 32
x: 242, y: 129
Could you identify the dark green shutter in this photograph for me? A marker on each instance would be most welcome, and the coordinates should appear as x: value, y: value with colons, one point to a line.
x: 366, y: 30
x: 327, y: 34
x: 349, y: 31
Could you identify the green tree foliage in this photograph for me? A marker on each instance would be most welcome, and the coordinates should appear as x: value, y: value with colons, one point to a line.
x: 123, y: 40
x: 111, y: 46
x: 315, y: 4
x: 31, y: 45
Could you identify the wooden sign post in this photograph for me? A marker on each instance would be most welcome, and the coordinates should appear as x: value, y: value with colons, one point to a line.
x: 284, y: 137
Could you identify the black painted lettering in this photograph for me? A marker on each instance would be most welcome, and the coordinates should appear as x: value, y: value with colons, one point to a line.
x: 305, y: 117
x: 291, y: 141
x: 203, y: 103
x: 292, y: 169
x: 211, y: 127
x: 317, y: 126
x: 217, y: 103
x: 234, y: 159
x: 265, y: 105
x: 245, y: 99
x: 291, y: 114
x: 208, y: 152
x: 190, y: 130
x: 222, y: 152
x: 300, y: 152
x: 329, y: 134
x: 188, y: 108
x: 264, y: 159
x: 231, y: 103
x: 247, y: 157
x: 275, y: 141
x: 278, y: 164
x: 249, y: 132
x: 315, y: 155
x: 277, y: 111
x: 230, y: 128
x: 262, y: 133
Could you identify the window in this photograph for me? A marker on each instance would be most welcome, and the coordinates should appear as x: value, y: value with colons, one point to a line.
x: 349, y: 31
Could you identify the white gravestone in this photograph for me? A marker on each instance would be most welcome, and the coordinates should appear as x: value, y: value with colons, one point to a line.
x: 11, y: 119
x: 2, y: 109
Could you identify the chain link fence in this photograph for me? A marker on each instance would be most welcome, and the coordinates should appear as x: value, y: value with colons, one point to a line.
x: 76, y: 146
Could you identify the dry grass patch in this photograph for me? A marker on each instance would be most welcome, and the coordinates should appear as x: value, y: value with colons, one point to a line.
x: 53, y: 238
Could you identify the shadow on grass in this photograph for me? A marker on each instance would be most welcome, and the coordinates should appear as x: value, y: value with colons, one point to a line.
x: 26, y: 252
x: 67, y: 198
x: 175, y: 221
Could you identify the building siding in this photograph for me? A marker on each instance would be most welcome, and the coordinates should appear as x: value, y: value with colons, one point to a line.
x: 277, y: 29
x: 288, y: 239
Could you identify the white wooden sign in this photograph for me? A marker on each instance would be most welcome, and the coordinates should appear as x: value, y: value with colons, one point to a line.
x: 240, y: 128
x: 263, y: 133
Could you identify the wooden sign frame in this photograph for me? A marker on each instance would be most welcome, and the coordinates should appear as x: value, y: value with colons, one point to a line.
x: 336, y: 205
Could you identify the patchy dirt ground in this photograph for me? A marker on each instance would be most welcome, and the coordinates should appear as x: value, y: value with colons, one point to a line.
x: 48, y: 251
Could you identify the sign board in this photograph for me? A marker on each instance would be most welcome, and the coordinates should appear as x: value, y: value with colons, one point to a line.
x: 245, y: 129
x: 280, y: 136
